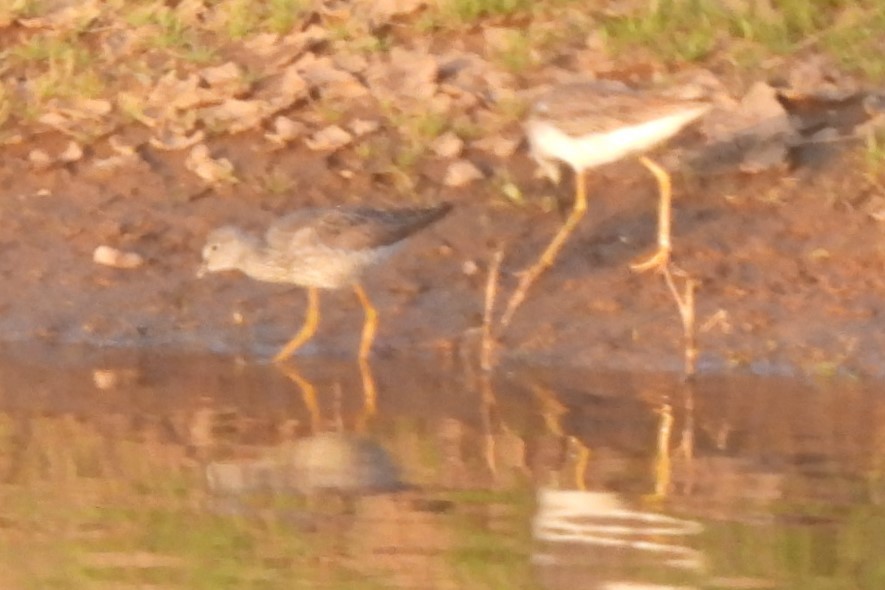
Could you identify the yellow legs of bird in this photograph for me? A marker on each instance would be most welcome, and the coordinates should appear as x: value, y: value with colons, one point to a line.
x: 370, y: 394
x: 657, y: 261
x: 549, y: 255
x: 371, y: 323
x: 312, y: 320
x: 661, y: 258
x: 309, y: 395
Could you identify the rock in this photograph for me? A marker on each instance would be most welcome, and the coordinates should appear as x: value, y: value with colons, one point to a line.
x: 329, y: 139
x: 235, y: 115
x: 285, y: 130
x: 874, y: 103
x: 103, y: 167
x: 818, y: 79
x: 79, y: 116
x: 361, y: 127
x: 168, y: 139
x: 226, y: 79
x: 755, y: 133
x: 498, y: 145
x: 68, y: 16
x: 447, y: 145
x: 39, y: 159
x: 407, y: 77
x: 334, y: 83
x: 108, y: 256
x: 462, y: 173
x: 284, y: 90
x: 72, y: 153
x: 121, y: 146
x: 209, y: 169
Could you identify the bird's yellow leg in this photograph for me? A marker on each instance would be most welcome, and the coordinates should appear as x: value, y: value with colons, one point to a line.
x: 661, y: 257
x: 311, y: 321
x: 548, y: 257
x: 371, y: 323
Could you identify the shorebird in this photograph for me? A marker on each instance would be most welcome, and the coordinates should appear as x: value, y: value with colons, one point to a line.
x: 590, y: 124
x: 319, y: 248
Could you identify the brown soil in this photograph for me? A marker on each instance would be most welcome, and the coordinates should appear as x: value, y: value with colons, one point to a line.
x: 790, y: 264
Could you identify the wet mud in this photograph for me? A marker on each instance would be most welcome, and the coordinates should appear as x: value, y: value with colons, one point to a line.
x: 789, y: 262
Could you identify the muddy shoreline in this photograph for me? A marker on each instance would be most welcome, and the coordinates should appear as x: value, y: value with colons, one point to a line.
x: 778, y: 201
x: 792, y: 284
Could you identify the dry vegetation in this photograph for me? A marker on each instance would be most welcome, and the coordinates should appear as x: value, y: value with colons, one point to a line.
x: 392, y: 81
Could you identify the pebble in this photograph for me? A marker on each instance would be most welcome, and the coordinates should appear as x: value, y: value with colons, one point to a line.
x: 108, y: 256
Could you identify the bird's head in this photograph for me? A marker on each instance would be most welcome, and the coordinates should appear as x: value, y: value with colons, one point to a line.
x: 224, y: 250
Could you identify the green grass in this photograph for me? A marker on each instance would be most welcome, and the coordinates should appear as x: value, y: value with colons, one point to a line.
x: 243, y: 18
x: 857, y: 42
x: 517, y: 52
x: 677, y: 30
x: 58, y: 67
x: 417, y: 128
x: 467, y: 11
x: 281, y: 15
x: 693, y: 30
x: 486, y: 558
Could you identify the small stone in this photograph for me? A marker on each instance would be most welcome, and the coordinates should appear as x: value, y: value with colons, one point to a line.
x: 447, y: 145
x: 361, y: 127
x: 121, y: 146
x: 329, y: 139
x: 72, y: 153
x: 212, y: 170
x: 285, y: 130
x: 112, y: 164
x: 235, y: 115
x: 227, y: 78
x: 462, y: 173
x: 105, y: 379
x: 497, y: 145
x: 39, y: 159
x: 108, y: 256
x: 172, y: 140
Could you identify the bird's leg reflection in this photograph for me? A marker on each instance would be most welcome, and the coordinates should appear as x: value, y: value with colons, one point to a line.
x: 370, y: 394
x: 686, y: 441
x: 489, y: 402
x: 308, y: 393
x: 663, y: 463
x: 370, y: 326
x: 552, y: 410
x: 581, y: 464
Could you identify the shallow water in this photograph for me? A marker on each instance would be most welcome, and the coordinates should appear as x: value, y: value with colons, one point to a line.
x: 142, y: 470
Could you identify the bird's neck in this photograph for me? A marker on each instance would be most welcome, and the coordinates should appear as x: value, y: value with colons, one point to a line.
x: 261, y: 265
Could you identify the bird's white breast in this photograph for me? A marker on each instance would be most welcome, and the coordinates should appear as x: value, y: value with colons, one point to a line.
x: 598, y: 148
